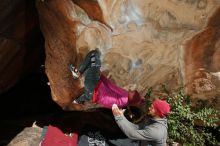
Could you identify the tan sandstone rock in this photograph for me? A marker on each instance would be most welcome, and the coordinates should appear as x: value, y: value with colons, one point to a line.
x: 143, y: 43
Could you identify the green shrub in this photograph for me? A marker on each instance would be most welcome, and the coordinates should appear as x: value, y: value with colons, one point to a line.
x: 187, y: 125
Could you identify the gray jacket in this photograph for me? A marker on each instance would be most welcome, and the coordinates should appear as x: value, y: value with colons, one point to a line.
x: 151, y: 132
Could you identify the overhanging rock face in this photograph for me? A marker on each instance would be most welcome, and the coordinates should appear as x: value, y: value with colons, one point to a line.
x: 143, y: 43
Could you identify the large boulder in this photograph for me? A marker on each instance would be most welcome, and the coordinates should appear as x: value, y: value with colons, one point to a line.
x: 143, y: 43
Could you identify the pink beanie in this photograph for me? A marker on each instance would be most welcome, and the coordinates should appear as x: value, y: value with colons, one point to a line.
x: 161, y: 107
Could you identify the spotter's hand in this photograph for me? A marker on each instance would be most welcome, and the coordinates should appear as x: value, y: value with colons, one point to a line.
x: 116, y: 111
